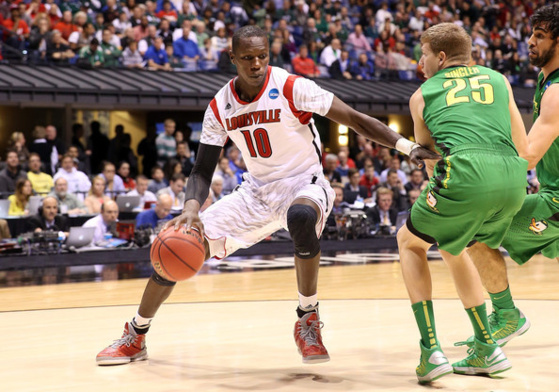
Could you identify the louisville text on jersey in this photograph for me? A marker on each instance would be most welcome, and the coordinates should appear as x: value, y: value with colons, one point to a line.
x: 253, y: 118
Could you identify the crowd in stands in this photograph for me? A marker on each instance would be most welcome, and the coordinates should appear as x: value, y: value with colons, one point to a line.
x: 347, y: 39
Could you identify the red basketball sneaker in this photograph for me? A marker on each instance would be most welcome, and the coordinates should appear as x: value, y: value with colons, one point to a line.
x: 308, y: 339
x: 129, y: 348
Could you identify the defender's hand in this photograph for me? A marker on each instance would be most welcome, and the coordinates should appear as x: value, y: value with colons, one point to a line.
x: 419, y: 154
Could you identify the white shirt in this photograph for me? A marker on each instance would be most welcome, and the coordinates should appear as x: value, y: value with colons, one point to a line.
x: 147, y: 196
x: 77, y: 181
x: 329, y: 55
x: 177, y: 34
x: 100, y: 227
x: 275, y: 132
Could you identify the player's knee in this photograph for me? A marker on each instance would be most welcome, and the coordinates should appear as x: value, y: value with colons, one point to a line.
x: 161, y: 281
x: 301, y: 222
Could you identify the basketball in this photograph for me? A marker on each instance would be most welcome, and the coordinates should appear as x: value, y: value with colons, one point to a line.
x: 177, y: 255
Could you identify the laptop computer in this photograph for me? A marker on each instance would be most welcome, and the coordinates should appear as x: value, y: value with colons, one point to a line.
x: 127, y: 203
x: 4, y: 207
x: 80, y: 236
x: 33, y: 204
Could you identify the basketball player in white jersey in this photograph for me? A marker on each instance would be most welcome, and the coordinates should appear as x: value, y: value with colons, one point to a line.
x: 268, y: 114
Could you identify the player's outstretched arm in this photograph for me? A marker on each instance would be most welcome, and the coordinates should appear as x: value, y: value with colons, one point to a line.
x: 197, y: 188
x: 546, y: 128
x: 373, y: 129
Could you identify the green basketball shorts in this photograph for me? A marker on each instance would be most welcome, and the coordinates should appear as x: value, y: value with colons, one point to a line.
x: 473, y: 195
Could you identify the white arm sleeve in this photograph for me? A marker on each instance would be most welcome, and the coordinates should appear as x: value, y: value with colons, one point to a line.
x: 309, y: 97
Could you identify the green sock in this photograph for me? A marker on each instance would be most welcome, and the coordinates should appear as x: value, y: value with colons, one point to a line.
x: 478, y: 317
x: 502, y: 300
x: 425, y: 318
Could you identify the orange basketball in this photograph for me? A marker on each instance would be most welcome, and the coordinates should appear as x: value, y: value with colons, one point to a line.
x: 177, y: 255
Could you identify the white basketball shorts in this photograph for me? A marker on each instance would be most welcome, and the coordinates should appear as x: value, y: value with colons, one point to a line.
x: 251, y: 213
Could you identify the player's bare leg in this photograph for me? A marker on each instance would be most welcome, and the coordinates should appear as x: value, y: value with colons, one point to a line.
x: 506, y: 321
x: 302, y: 218
x: 131, y: 346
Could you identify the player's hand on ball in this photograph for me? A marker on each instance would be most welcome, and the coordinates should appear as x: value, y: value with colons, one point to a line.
x: 189, y: 218
x: 419, y: 154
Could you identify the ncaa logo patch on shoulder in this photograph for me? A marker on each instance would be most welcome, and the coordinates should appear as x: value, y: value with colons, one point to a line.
x: 274, y: 93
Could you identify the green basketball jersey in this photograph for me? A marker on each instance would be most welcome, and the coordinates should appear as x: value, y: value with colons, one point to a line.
x: 547, y: 168
x: 467, y: 105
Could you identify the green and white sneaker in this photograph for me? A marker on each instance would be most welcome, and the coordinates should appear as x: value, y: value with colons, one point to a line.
x: 483, y: 359
x: 505, y: 324
x: 432, y: 364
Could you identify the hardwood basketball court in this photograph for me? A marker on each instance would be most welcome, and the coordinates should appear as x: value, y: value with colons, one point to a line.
x: 233, y: 331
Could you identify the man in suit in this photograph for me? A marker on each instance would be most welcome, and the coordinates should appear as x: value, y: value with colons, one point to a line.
x: 47, y: 218
x: 352, y: 189
x: 382, y: 213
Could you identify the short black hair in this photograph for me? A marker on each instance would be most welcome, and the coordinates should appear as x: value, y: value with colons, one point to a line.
x: 247, y: 32
x: 547, y: 16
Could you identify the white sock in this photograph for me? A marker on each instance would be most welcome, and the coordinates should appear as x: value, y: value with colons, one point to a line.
x: 308, y: 302
x: 142, y: 321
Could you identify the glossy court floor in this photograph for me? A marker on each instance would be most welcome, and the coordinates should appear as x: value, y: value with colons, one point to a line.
x: 230, y: 329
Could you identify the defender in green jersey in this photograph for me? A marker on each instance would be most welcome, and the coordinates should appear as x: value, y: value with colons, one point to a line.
x: 535, y: 228
x: 469, y: 116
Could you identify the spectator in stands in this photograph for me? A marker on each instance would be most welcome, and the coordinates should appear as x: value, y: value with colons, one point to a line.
x: 42, y: 183
x: 81, y: 38
x: 20, y: 199
x: 220, y: 41
x: 416, y: 180
x: 104, y: 221
x: 111, y: 53
x: 303, y: 65
x: 369, y: 180
x: 394, y: 165
x: 38, y: 39
x: 383, y: 214
x: 167, y: 12
x: 357, y: 40
x: 42, y: 148
x: 97, y: 144
x: 394, y: 183
x: 165, y: 32
x: 236, y: 162
x: 114, y: 185
x: 124, y: 153
x: 157, y: 181
x: 172, y: 166
x: 276, y: 55
x: 352, y: 190
x: 413, y: 195
x: 217, y: 188
x: 66, y: 26
x: 156, y: 56
x: 165, y: 143
x: 147, y: 41
x: 183, y: 157
x: 122, y: 23
x: 201, y: 35
x: 78, y: 182
x: 178, y: 33
x: 343, y: 166
x: 156, y: 216
x: 186, y: 49
x: 363, y: 68
x: 340, y: 69
x: 58, y: 146
x: 115, y: 142
x: 123, y: 172
x: 57, y: 51
x: 68, y: 203
x: 96, y: 195
x: 131, y: 57
x: 142, y: 190
x: 141, y: 30
x: 176, y: 190
x: 331, y: 53
x: 330, y: 172
x: 92, y: 55
x: 229, y: 178
x: 11, y: 173
x: 83, y: 153
x: 16, y: 29
x: 47, y: 218
x: 175, y: 62
x: 17, y: 143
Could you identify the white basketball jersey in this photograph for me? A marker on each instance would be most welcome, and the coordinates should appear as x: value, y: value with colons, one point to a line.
x: 275, y: 132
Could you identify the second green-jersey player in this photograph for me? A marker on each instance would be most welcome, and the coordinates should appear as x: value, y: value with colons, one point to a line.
x: 479, y: 184
x: 536, y: 226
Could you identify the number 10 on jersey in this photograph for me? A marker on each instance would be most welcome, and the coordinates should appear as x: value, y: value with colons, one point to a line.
x: 262, y: 141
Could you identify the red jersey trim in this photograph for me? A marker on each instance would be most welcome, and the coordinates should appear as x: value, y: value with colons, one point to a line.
x: 303, y: 117
x: 213, y: 105
x: 232, y: 86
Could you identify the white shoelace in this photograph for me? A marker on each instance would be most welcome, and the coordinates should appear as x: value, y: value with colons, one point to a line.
x: 127, y: 340
x: 309, y: 334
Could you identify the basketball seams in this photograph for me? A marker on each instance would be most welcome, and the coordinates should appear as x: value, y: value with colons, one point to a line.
x: 177, y: 256
x: 161, y: 263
